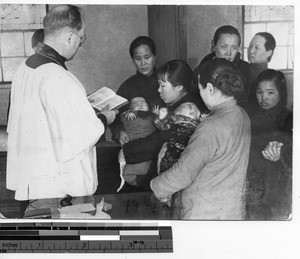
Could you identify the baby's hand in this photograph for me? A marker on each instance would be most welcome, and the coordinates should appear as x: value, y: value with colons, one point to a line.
x: 163, y: 112
x: 130, y: 116
x: 155, y: 109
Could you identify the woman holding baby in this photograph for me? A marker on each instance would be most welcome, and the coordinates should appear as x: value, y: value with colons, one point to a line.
x: 210, y: 174
x: 175, y: 88
x: 174, y: 80
x: 144, y: 85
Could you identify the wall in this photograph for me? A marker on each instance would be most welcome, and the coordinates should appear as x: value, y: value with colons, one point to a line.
x: 104, y: 58
x: 167, y: 27
x: 202, y: 22
x: 290, y: 87
x: 4, y: 96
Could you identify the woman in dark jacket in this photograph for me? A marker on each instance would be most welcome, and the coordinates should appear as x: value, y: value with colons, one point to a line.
x: 272, y: 122
x: 226, y: 44
x: 144, y: 83
x: 175, y: 86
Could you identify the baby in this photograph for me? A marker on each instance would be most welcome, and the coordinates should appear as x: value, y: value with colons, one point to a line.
x: 176, y: 130
x: 138, y: 122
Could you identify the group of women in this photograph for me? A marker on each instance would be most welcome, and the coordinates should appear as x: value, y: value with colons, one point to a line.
x: 234, y: 167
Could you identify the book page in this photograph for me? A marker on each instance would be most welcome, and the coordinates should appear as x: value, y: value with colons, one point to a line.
x: 100, y: 95
x: 114, y: 103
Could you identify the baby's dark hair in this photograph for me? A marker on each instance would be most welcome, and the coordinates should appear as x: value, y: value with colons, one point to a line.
x: 279, y: 80
x: 221, y: 74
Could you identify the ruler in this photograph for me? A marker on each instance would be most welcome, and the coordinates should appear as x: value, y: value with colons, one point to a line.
x: 60, y: 237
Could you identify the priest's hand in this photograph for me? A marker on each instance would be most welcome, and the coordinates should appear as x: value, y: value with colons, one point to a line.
x: 109, y: 114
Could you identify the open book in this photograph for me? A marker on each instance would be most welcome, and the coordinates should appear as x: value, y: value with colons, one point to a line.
x: 105, y: 96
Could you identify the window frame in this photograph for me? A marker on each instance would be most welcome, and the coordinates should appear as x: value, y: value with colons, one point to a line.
x: 244, y: 47
x: 6, y: 84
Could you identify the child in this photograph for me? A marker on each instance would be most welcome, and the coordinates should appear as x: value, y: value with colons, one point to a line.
x: 176, y: 130
x: 138, y: 122
x: 269, y: 191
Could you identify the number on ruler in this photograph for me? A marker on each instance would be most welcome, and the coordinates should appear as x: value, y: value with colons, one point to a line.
x: 84, y: 245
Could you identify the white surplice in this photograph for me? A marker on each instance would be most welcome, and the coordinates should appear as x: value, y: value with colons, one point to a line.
x: 52, y: 130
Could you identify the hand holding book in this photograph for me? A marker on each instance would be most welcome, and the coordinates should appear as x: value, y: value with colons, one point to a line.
x: 109, y: 114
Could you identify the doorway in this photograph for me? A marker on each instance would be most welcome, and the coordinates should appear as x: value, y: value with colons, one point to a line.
x: 168, y: 28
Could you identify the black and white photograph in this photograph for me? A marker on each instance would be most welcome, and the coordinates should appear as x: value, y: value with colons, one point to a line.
x: 170, y: 112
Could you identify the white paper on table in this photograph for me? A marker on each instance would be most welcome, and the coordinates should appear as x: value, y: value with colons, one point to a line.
x: 85, y: 207
x: 79, y: 211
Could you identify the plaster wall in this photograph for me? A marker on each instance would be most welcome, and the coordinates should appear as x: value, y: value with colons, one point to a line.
x: 104, y: 60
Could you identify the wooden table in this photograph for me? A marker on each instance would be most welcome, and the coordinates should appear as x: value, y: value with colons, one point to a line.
x: 125, y: 206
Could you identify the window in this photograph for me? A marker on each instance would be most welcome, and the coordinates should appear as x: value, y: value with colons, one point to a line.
x: 18, y: 22
x: 277, y: 20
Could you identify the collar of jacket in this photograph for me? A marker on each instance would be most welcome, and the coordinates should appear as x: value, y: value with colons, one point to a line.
x: 237, y: 59
x: 182, y: 99
x: 212, y: 55
x: 223, y: 106
x: 49, y: 52
x: 153, y: 74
